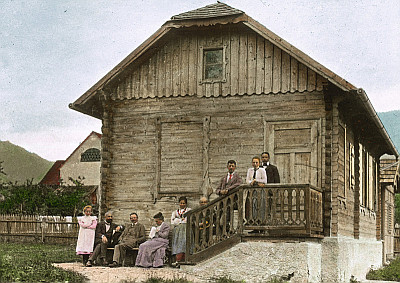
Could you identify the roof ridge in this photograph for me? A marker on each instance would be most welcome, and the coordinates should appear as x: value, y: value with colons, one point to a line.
x: 215, y: 10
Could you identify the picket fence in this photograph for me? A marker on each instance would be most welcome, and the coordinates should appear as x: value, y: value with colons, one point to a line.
x: 38, y: 228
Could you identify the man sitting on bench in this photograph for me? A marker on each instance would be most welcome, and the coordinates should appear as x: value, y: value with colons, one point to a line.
x: 106, y: 236
x: 131, y: 238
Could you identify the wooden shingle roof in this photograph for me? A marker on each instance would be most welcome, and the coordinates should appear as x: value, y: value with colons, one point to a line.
x: 210, y: 11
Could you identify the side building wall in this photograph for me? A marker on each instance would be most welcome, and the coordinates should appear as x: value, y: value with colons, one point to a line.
x: 159, y: 149
x: 74, y: 168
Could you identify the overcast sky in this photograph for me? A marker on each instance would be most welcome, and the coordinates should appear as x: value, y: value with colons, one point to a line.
x: 51, y: 52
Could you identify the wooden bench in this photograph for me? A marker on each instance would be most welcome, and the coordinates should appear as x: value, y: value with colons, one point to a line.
x: 131, y: 254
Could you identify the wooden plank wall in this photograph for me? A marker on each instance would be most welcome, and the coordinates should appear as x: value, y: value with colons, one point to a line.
x: 253, y: 66
x: 236, y: 131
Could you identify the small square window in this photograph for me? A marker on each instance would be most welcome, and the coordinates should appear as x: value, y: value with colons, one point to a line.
x: 213, y: 65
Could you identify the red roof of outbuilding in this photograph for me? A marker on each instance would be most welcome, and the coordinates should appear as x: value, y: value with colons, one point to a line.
x: 52, y: 176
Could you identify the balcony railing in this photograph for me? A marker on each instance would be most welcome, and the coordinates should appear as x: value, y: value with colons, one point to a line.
x: 276, y: 210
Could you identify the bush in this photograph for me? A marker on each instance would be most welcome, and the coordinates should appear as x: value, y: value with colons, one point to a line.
x: 389, y: 273
x: 33, y: 263
x: 42, y: 199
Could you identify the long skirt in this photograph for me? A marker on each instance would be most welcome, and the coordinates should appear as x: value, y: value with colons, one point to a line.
x: 151, y: 253
x: 85, y: 241
x: 179, y: 239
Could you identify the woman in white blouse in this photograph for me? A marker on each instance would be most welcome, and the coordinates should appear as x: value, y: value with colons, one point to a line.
x: 178, y: 220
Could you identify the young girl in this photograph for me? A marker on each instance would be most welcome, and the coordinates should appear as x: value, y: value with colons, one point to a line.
x: 87, y: 226
x: 178, y: 219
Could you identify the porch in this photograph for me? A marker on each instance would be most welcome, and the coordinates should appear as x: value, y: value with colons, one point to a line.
x: 274, y: 212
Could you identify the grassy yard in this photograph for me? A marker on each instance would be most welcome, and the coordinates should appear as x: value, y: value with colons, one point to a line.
x: 388, y: 273
x: 33, y: 263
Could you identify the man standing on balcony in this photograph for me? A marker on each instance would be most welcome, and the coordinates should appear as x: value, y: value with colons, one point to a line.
x: 230, y: 181
x: 256, y: 175
x: 271, y: 170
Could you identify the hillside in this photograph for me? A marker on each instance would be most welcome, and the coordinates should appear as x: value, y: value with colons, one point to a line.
x: 391, y: 121
x: 21, y: 165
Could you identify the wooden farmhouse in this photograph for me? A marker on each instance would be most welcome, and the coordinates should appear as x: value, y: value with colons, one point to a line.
x: 211, y: 85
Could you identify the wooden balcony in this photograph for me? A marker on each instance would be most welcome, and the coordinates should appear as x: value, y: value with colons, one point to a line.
x: 273, y: 211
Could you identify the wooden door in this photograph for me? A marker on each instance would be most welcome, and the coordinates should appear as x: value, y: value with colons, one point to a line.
x: 295, y: 148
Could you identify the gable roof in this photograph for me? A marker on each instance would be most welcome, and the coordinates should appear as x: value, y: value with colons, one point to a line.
x: 52, y: 176
x: 93, y: 133
x: 220, y: 13
x: 210, y: 11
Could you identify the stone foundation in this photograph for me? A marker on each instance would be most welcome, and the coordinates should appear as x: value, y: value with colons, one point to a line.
x: 327, y: 260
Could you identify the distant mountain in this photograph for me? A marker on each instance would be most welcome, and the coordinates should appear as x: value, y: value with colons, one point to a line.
x: 21, y: 165
x: 391, y: 121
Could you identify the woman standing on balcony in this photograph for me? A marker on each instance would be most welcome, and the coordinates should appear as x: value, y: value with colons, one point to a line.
x: 87, y: 226
x: 178, y: 220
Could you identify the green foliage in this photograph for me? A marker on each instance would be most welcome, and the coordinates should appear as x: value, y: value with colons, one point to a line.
x: 388, y: 273
x: 33, y: 263
x: 397, y: 208
x: 41, y: 199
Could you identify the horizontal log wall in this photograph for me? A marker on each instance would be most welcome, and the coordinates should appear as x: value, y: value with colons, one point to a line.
x: 236, y: 131
x: 253, y: 66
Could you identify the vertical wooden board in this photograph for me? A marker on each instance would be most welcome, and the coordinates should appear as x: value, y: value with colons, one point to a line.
x: 260, y: 62
x: 286, y: 72
x: 226, y: 41
x: 234, y: 64
x: 277, y: 70
x: 185, y: 65
x: 320, y: 82
x: 269, y: 53
x: 282, y: 161
x: 302, y: 77
x: 311, y: 80
x: 144, y: 75
x: 168, y: 69
x: 294, y: 74
x: 128, y: 94
x: 243, y: 64
x: 176, y: 66
x: 202, y: 43
x: 315, y: 149
x: 251, y: 63
x: 303, y: 168
x: 136, y: 83
x: 151, y: 77
x: 193, y: 64
x: 161, y: 72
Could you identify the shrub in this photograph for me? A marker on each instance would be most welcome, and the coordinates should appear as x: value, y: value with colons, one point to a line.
x: 389, y: 273
x: 42, y: 199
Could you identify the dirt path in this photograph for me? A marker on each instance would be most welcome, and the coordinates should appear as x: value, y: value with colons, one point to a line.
x: 125, y: 274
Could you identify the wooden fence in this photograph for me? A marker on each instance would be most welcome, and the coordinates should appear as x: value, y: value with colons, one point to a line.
x: 35, y: 228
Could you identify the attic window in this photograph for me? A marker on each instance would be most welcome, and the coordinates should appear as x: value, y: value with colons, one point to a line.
x: 213, y: 63
x: 91, y: 155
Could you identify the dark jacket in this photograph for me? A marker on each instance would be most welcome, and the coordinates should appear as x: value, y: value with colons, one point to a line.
x: 272, y: 174
x: 111, y: 235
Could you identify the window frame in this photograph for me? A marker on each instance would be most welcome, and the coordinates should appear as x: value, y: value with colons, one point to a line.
x: 202, y: 65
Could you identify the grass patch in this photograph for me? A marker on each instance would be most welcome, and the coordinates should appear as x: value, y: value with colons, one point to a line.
x: 33, y: 263
x: 390, y: 272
